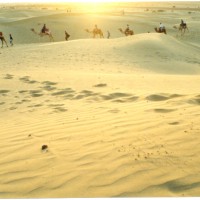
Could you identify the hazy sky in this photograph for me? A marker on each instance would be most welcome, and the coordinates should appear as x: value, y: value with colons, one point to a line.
x: 49, y: 1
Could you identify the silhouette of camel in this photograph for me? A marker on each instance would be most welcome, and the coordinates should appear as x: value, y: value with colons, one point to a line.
x: 161, y: 31
x: 2, y: 40
x: 126, y: 32
x: 182, y: 28
x: 95, y: 32
x: 46, y: 33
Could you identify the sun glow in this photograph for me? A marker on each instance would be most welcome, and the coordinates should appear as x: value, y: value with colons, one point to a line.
x: 59, y: 1
x: 82, y: 1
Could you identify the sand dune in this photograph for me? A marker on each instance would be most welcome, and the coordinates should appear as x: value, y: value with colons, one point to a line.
x: 118, y: 117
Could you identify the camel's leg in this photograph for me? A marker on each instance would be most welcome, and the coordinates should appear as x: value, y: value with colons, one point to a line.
x: 51, y: 38
x: 6, y: 42
x: 2, y: 41
x: 180, y: 30
x: 183, y: 31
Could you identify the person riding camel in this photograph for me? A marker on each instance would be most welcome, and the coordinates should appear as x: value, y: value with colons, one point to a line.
x: 127, y: 29
x: 161, y: 27
x: 95, y: 27
x: 44, y: 29
x: 183, y: 24
x: 67, y: 35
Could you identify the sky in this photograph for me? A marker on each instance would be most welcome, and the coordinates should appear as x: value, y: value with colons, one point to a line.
x: 92, y: 1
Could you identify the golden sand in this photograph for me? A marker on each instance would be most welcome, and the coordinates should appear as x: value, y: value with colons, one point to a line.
x: 119, y: 116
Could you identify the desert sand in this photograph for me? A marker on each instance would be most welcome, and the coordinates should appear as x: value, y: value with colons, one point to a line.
x: 120, y: 116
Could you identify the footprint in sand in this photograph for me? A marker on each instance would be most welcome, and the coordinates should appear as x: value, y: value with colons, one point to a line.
x: 35, y: 106
x: 126, y: 100
x: 8, y: 76
x: 63, y: 92
x: 78, y: 97
x: 88, y: 93
x: 49, y: 83
x: 100, y: 85
x: 26, y: 79
x: 156, y: 97
x: 4, y: 92
x: 116, y: 95
x: 69, y: 96
x: 13, y: 108
x: 194, y: 101
x: 23, y: 91
x: 133, y: 98
x: 59, y: 109
x: 161, y: 110
x: 114, y: 111
x: 174, y: 123
x: 35, y: 93
x: 48, y: 88
x: 162, y: 97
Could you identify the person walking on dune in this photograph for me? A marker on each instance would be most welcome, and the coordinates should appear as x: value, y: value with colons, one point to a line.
x: 67, y: 35
x: 11, y: 39
x: 2, y: 39
x: 108, y: 34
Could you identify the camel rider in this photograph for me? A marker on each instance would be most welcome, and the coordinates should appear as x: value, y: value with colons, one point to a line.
x: 95, y: 27
x: 183, y: 24
x: 44, y: 29
x: 161, y: 27
x: 127, y: 29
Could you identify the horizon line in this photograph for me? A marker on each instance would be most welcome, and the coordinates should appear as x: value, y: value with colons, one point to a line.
x: 89, y: 1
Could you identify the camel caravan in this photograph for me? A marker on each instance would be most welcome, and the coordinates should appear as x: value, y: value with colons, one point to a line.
x: 97, y: 32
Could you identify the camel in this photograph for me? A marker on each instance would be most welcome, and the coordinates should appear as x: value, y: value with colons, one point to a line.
x: 46, y: 33
x: 2, y: 40
x: 95, y: 32
x: 126, y: 32
x: 182, y: 28
x: 161, y: 31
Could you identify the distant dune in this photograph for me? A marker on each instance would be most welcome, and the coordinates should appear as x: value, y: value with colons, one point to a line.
x: 93, y: 117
